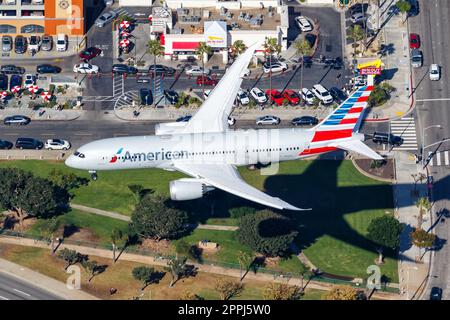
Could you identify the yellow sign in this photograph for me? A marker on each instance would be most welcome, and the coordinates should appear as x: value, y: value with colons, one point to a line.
x: 213, y: 38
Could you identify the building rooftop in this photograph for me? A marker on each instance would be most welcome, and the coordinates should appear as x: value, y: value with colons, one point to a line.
x: 191, y: 20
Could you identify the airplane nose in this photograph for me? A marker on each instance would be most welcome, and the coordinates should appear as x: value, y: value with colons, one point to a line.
x: 70, y: 161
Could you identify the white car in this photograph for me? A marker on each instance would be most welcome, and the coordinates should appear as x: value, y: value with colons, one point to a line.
x: 273, y: 120
x: 242, y: 97
x: 275, y: 67
x: 231, y: 121
x: 322, y: 94
x: 85, y: 68
x: 435, y: 73
x: 30, y: 80
x: 358, y: 17
x: 197, y: 71
x: 259, y: 96
x: 206, y: 94
x: 57, y: 144
x: 61, y: 42
x: 303, y: 24
x: 307, y: 96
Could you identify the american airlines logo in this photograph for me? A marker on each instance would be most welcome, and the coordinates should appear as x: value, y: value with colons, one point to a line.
x: 149, y: 156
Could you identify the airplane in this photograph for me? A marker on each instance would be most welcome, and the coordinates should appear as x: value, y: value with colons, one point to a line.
x: 208, y: 151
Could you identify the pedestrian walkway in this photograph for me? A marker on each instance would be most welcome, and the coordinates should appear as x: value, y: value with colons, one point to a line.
x: 440, y: 158
x: 118, y: 85
x: 406, y: 129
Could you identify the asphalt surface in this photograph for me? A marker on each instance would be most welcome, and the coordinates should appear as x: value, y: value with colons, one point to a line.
x: 433, y: 25
x: 12, y: 288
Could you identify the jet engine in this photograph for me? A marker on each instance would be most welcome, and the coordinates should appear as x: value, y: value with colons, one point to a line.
x: 188, y: 189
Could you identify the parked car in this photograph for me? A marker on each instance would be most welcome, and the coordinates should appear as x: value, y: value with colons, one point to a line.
x: 86, y: 68
x: 416, y: 58
x: 34, y: 44
x: 29, y: 81
x: 436, y: 293
x: 307, y: 96
x: 16, y: 80
x: 184, y: 118
x: 242, y: 97
x: 273, y: 120
x: 47, y: 42
x: 358, y: 17
x: 359, y: 7
x: 47, y: 68
x: 414, y: 10
x: 337, y: 94
x: 257, y: 95
x: 90, y: 53
x: 196, y: 71
x: 3, y: 82
x: 6, y: 43
x: 206, y: 81
x: 435, y: 72
x: 146, y: 97
x: 231, y: 121
x: 123, y: 69
x: 61, y: 42
x: 275, y: 96
x: 291, y: 96
x: 171, y: 96
x: 303, y: 24
x: 57, y: 144
x: 274, y: 67
x: 386, y: 138
x: 105, y: 18
x: 108, y: 3
x: 322, y: 94
x: 305, y: 121
x: 29, y: 143
x: 20, y: 45
x: 5, y: 144
x: 160, y: 69
x: 12, y: 69
x: 17, y: 119
x: 414, y: 41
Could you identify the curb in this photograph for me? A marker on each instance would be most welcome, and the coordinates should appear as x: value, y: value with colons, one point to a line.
x: 44, y: 119
x: 370, y: 175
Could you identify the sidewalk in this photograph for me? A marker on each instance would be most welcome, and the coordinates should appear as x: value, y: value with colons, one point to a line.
x: 201, y: 268
x: 49, y: 114
x: 413, y: 272
x: 51, y: 285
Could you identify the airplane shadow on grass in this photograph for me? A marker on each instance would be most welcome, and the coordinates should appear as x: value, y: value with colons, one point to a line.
x: 317, y: 188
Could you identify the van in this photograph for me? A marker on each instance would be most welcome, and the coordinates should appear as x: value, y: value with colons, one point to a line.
x: 386, y: 138
x: 61, y: 42
x: 28, y: 143
x: 416, y: 58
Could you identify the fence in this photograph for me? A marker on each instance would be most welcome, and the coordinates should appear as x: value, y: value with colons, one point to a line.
x: 277, y: 274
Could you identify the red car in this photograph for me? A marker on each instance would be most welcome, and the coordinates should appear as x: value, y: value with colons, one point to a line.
x: 90, y: 53
x: 292, y: 97
x: 275, y: 96
x: 206, y: 81
x: 414, y: 41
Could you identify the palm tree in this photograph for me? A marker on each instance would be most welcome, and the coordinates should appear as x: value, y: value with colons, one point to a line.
x: 115, y: 236
x: 155, y: 49
x: 356, y: 34
x: 237, y: 48
x: 271, y: 47
x: 303, y: 48
x: 403, y: 6
x: 203, y: 49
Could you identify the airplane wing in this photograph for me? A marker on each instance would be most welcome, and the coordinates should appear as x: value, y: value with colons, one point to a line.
x: 359, y: 147
x: 214, y: 112
x: 227, y: 178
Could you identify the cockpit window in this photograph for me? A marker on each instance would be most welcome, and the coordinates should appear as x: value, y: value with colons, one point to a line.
x: 79, y: 154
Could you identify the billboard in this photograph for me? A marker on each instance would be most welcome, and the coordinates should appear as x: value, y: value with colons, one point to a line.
x: 370, y: 71
x: 216, y: 34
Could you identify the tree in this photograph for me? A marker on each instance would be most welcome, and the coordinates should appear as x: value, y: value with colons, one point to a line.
x: 282, y: 291
x: 27, y: 195
x: 245, y: 262
x: 356, y: 34
x: 380, y: 94
x: 144, y: 274
x: 228, y: 289
x: 65, y: 180
x: 136, y: 189
x: 237, y: 48
x: 92, y: 268
x: 341, y: 292
x: 48, y: 230
x: 271, y: 47
x: 152, y: 218
x: 69, y: 256
x: 202, y: 50
x: 266, y: 232
x: 424, y: 205
x: 188, y: 295
x: 385, y: 232
x: 302, y: 48
x: 239, y: 212
x: 116, y: 236
x: 155, y: 49
x: 177, y: 268
x: 422, y: 239
x: 403, y: 6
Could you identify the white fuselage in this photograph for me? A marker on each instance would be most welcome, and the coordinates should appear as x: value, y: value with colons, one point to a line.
x: 236, y: 147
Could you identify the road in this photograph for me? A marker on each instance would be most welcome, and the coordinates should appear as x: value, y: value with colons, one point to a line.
x: 12, y: 288
x: 433, y: 25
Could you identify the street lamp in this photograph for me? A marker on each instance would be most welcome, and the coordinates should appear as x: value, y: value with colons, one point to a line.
x: 423, y: 138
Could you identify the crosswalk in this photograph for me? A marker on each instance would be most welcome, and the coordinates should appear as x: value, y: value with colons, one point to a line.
x: 118, y: 85
x: 405, y: 128
x: 440, y: 158
x: 127, y: 99
x: 123, y: 12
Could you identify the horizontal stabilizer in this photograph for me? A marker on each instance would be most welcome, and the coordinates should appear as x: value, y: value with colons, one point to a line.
x: 359, y: 147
